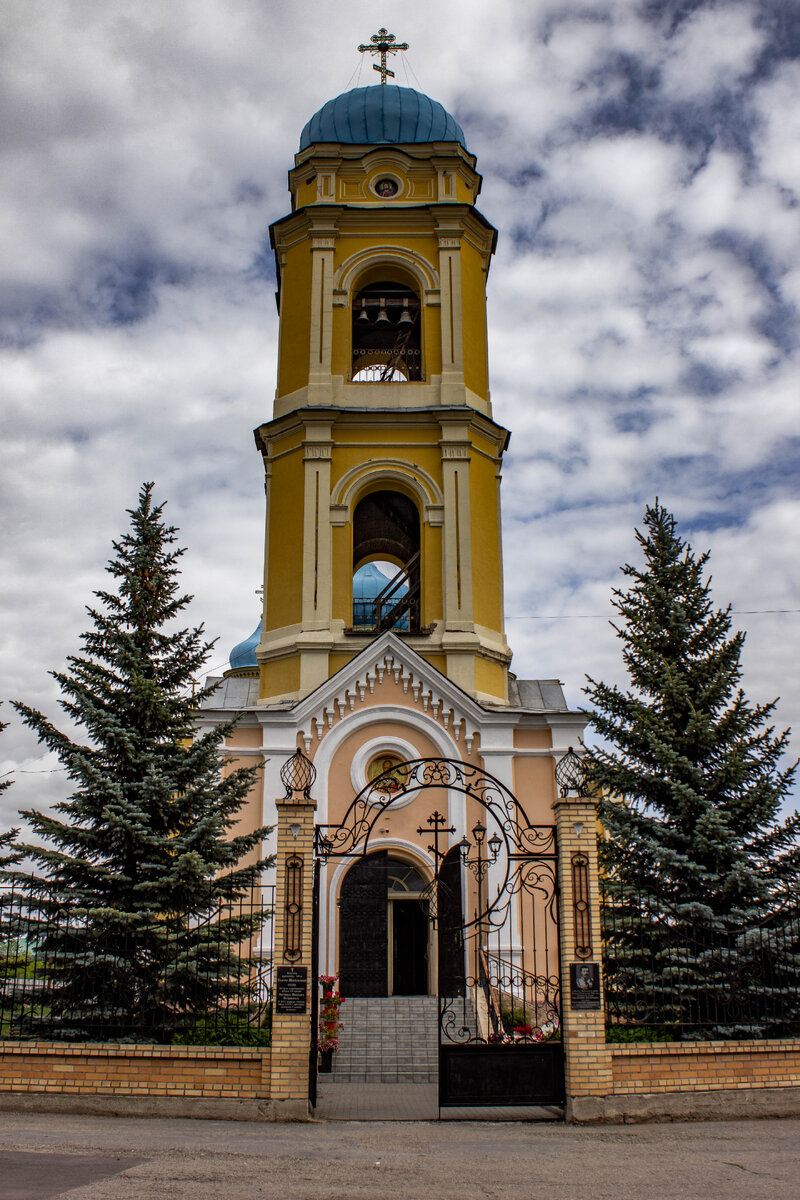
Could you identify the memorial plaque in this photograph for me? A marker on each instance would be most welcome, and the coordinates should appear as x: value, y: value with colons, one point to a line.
x: 584, y: 984
x: 291, y: 987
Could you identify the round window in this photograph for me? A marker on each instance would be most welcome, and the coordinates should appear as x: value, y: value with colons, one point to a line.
x: 386, y: 773
x: 387, y: 187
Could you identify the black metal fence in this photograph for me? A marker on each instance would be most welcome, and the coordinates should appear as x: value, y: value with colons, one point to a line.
x: 72, y: 973
x: 673, y: 975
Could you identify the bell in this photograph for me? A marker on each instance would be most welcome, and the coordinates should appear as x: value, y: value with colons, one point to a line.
x: 382, y: 317
x: 363, y: 315
x: 405, y: 315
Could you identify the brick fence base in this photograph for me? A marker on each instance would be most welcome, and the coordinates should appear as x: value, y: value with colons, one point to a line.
x: 229, y: 1082
x: 696, y: 1081
x: 727, y: 1104
x: 705, y: 1066
x: 194, y: 1107
x: 656, y: 1082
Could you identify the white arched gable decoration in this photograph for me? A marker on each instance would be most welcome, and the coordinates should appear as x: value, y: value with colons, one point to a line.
x: 386, y: 470
x: 397, y: 714
x: 399, y: 256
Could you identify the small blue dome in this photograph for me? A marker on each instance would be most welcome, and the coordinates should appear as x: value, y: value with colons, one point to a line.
x: 244, y: 655
x: 382, y: 113
x: 369, y: 582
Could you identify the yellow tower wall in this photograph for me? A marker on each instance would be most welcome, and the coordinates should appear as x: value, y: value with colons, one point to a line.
x: 333, y: 440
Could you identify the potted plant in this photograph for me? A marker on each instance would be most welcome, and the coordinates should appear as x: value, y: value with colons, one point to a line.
x: 329, y: 1023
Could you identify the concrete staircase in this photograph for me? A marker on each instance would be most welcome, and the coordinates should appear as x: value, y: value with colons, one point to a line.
x: 392, y: 1039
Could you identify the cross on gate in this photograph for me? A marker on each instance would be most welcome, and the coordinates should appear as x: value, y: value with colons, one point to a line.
x: 439, y: 830
x: 383, y: 45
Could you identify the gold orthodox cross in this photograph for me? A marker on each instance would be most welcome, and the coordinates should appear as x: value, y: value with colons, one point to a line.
x: 383, y: 44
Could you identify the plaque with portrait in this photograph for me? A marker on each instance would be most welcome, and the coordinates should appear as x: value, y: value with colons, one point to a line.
x: 584, y: 986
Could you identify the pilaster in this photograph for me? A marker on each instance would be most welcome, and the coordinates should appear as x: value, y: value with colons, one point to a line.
x: 449, y: 234
x: 294, y: 889
x: 459, y: 639
x: 587, y: 1057
x: 317, y: 448
x: 323, y: 243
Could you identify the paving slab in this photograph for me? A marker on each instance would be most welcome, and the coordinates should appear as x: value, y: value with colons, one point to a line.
x: 377, y: 1102
x: 410, y: 1102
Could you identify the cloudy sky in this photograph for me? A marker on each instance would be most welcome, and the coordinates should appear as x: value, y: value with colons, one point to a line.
x: 642, y: 163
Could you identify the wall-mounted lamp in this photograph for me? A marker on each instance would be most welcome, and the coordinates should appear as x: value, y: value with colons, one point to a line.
x: 294, y: 830
x: 577, y: 828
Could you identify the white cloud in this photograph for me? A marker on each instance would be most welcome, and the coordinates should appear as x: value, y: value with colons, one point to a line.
x: 779, y: 146
x: 716, y: 47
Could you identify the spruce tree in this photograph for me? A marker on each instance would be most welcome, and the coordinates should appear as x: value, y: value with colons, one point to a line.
x: 135, y: 906
x: 698, y: 867
x: 9, y: 853
x: 12, y: 953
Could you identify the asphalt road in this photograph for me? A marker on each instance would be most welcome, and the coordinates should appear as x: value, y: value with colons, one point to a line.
x: 97, y: 1158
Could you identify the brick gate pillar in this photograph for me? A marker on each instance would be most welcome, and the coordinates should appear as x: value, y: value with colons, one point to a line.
x: 294, y: 972
x: 587, y: 1057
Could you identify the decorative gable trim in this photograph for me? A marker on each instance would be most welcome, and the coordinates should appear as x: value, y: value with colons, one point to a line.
x: 432, y: 693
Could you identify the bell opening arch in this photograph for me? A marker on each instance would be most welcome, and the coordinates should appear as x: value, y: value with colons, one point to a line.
x: 386, y: 531
x: 386, y: 326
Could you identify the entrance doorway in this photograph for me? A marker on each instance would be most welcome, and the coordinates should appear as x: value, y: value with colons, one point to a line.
x: 384, y: 929
x: 410, y: 930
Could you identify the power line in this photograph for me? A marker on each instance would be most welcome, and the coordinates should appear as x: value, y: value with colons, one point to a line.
x: 735, y: 612
x: 749, y: 612
x: 38, y: 771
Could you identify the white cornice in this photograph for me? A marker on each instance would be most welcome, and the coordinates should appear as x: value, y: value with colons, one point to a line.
x: 434, y: 696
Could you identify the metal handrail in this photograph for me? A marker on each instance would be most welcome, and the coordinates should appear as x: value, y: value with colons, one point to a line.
x: 401, y: 606
x: 528, y: 979
x: 492, y: 999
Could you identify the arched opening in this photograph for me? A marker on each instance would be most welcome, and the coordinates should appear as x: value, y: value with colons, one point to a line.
x: 384, y: 929
x: 386, y: 531
x: 386, y: 334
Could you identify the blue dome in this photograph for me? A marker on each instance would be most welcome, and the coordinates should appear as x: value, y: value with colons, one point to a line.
x: 369, y: 582
x: 244, y: 655
x: 382, y: 113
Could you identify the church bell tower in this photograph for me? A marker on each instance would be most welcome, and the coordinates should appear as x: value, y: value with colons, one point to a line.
x: 382, y: 452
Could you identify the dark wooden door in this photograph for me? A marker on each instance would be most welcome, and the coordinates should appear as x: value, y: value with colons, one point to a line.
x: 451, y: 926
x: 364, y: 928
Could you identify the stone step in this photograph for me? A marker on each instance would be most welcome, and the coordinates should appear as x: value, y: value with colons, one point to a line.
x: 393, y: 1039
x: 353, y: 1053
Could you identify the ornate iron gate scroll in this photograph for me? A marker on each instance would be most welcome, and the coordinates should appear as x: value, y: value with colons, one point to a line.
x: 493, y: 900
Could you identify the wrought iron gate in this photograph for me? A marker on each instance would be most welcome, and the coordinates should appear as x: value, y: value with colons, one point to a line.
x: 493, y: 903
